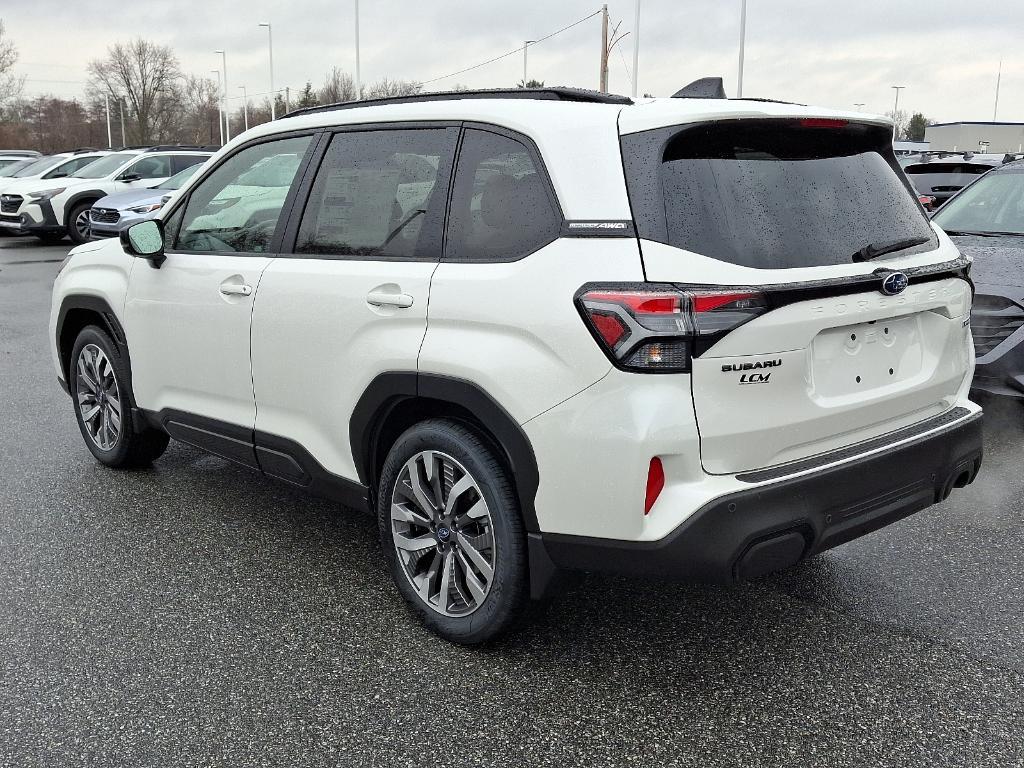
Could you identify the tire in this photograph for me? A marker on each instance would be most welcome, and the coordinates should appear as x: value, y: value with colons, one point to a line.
x: 51, y: 238
x: 481, y: 531
x: 99, y: 385
x: 78, y: 223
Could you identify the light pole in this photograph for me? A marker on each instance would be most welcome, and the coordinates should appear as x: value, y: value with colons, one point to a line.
x: 110, y: 138
x: 270, y: 50
x: 120, y: 105
x: 224, y: 95
x: 526, y: 44
x: 245, y: 106
x: 359, y: 82
x: 220, y: 107
x: 743, y: 41
x: 896, y: 108
x: 636, y: 48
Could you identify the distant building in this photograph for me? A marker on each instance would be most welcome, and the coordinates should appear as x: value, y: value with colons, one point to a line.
x: 976, y: 137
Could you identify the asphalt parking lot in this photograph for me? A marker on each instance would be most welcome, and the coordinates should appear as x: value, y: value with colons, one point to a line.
x: 196, y: 614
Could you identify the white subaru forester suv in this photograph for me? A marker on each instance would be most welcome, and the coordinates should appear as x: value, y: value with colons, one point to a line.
x: 545, y: 330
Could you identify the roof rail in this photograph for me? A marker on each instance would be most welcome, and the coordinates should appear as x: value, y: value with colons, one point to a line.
x: 540, y: 94
x: 80, y: 150
x: 167, y: 147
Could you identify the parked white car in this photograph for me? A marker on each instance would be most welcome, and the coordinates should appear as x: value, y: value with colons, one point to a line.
x: 52, y: 208
x: 688, y: 337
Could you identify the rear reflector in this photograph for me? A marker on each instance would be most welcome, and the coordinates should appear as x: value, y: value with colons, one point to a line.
x: 659, y: 330
x: 655, y: 483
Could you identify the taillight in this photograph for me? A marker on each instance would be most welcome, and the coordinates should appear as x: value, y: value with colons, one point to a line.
x: 661, y: 328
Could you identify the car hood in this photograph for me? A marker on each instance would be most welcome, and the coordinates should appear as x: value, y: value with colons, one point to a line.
x: 24, y: 186
x: 131, y: 198
x: 997, y: 260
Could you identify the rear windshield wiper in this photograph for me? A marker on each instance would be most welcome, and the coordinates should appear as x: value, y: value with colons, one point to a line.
x: 874, y: 250
x: 971, y: 233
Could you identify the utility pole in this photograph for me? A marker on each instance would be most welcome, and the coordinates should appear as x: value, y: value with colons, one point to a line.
x: 359, y: 82
x: 110, y: 138
x: 220, y: 107
x: 603, y: 77
x: 743, y: 42
x: 896, y: 109
x: 636, y: 48
x: 120, y: 104
x: 287, y: 99
x: 245, y: 106
x: 999, y: 76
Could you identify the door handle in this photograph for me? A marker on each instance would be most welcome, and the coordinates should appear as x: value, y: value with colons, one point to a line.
x: 233, y: 289
x: 387, y: 299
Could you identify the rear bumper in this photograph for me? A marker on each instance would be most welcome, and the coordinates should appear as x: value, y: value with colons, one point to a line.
x: 748, y: 533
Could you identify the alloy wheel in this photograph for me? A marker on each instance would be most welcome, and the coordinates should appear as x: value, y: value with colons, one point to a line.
x: 82, y: 224
x: 443, y: 533
x: 99, y: 400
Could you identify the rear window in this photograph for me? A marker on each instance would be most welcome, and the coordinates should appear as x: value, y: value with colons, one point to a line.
x: 771, y: 194
x: 970, y: 170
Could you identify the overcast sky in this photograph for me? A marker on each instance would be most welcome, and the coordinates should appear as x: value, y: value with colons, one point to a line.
x: 946, y: 52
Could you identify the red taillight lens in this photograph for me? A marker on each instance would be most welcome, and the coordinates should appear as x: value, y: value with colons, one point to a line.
x: 655, y: 483
x: 661, y: 329
x: 823, y: 122
x: 609, y: 327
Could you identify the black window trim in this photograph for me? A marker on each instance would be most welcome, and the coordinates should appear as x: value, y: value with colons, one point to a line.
x: 305, y: 188
x: 316, y: 138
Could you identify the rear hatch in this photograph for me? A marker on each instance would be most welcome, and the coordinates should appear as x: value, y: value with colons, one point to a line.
x: 851, y: 313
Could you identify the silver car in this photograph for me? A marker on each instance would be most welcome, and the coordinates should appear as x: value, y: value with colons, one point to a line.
x: 113, y: 213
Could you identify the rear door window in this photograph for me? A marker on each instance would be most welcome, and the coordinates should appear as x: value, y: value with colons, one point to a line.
x: 378, y: 195
x: 771, y: 194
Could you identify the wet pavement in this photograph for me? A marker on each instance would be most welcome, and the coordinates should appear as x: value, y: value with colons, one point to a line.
x: 196, y: 614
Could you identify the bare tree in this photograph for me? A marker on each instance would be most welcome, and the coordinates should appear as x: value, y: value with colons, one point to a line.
x: 146, y: 76
x: 338, y: 87
x: 198, y: 110
x: 902, y: 122
x: 10, y: 84
x: 385, y: 88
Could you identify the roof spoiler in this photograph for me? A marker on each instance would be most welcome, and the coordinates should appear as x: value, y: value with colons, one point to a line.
x: 705, y: 88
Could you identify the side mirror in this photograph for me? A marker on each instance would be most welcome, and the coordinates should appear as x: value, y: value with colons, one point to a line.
x: 145, y: 240
x: 129, y: 177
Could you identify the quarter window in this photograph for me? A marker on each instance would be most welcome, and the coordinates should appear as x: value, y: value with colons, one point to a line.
x: 180, y: 162
x: 501, y: 208
x: 377, y: 195
x: 237, y: 207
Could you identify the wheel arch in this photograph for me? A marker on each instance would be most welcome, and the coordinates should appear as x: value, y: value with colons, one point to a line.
x: 396, y: 400
x: 78, y: 311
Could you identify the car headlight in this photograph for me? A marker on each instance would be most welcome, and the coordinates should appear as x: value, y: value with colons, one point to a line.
x: 45, y: 194
x: 149, y: 208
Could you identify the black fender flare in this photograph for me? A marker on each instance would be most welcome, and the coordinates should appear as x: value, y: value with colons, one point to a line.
x: 86, y: 194
x: 391, y: 388
x: 109, y: 321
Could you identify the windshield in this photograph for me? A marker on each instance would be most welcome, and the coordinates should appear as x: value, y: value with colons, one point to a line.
x: 772, y: 194
x: 177, y: 180
x: 994, y: 204
x: 104, y: 166
x: 17, y: 165
x: 41, y: 165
